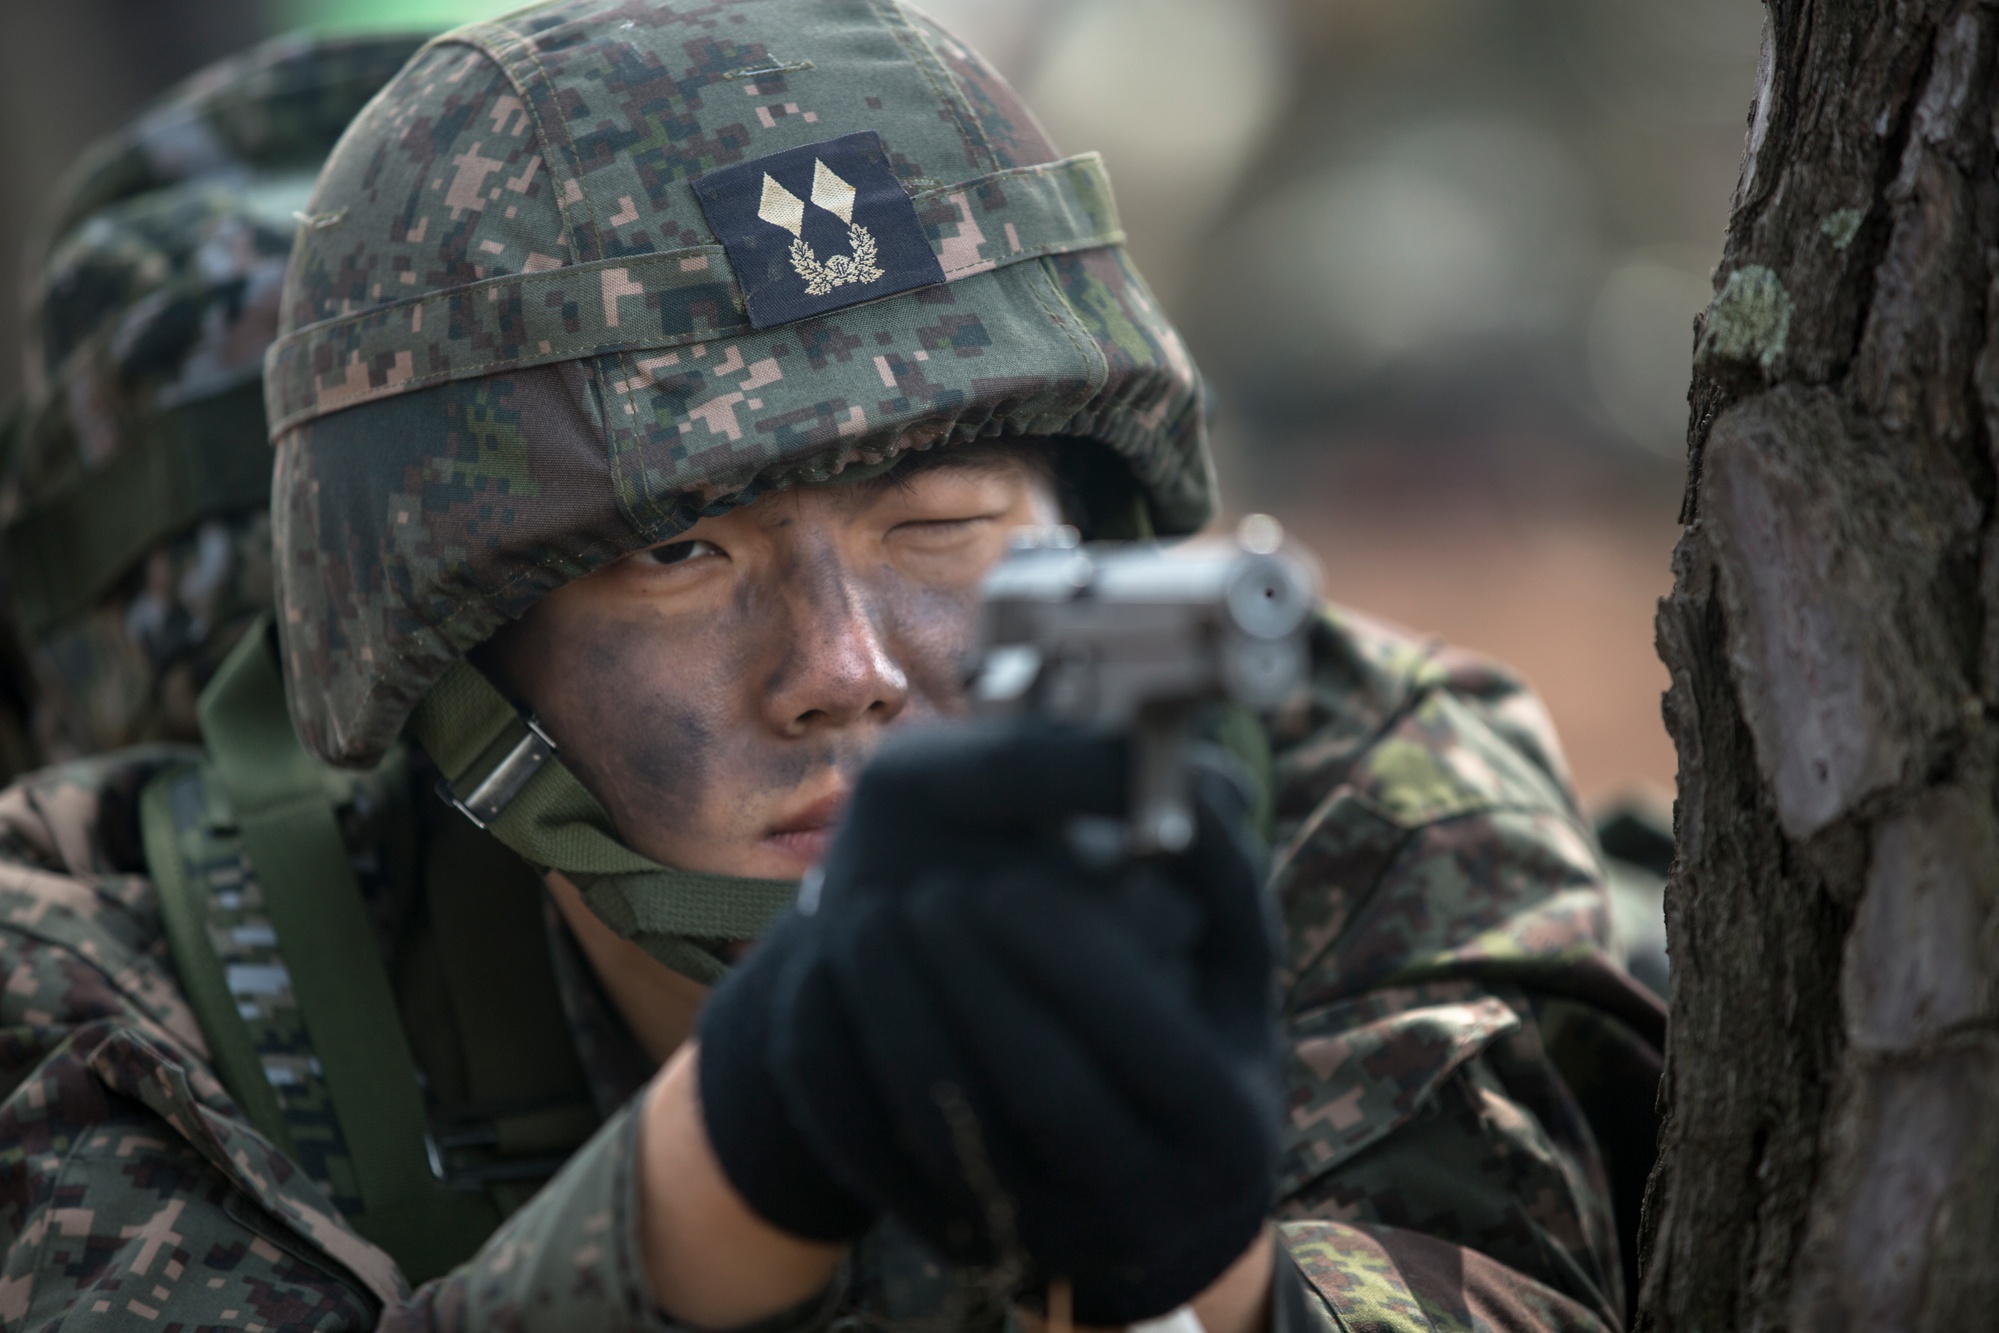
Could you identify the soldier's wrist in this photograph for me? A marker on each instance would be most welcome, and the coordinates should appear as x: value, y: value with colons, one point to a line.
x: 711, y: 1260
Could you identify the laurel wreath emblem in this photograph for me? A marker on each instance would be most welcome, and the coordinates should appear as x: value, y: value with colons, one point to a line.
x: 838, y: 270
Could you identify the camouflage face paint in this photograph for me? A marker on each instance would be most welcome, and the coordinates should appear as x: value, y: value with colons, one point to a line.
x: 719, y: 693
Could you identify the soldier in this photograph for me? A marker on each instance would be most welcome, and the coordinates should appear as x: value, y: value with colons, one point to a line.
x: 136, y: 490
x: 654, y: 386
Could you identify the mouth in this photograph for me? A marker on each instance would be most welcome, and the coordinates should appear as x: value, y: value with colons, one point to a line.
x: 805, y: 835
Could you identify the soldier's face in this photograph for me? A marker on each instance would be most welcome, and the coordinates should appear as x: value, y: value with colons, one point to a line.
x: 719, y: 693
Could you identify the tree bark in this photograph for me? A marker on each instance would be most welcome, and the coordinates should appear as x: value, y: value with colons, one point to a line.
x: 1830, y: 1157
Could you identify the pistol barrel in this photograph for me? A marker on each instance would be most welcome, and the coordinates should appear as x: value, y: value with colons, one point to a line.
x: 1134, y: 638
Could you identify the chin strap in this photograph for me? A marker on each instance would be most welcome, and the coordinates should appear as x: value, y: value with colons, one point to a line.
x: 502, y: 772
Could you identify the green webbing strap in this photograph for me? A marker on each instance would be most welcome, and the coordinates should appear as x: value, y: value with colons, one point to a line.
x: 491, y: 938
x: 471, y: 731
x: 293, y: 843
x: 199, y: 460
x: 183, y: 905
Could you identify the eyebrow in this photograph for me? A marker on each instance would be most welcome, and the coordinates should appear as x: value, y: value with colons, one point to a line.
x: 979, y: 457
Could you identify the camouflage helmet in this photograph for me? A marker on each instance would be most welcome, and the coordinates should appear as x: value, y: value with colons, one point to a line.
x: 137, y: 479
x: 584, y: 274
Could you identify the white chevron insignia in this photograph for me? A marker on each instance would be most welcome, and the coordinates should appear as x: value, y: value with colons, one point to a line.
x: 781, y: 208
x: 831, y: 193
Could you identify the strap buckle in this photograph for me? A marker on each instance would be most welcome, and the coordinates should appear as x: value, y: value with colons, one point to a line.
x: 442, y: 1151
x: 496, y: 791
x: 470, y: 1148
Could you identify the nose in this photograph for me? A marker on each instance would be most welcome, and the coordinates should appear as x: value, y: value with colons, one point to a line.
x: 837, y: 668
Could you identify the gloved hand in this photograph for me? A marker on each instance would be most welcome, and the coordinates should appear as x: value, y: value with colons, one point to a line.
x: 1022, y: 1057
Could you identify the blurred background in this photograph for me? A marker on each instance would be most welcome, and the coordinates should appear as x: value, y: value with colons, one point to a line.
x: 1440, y: 259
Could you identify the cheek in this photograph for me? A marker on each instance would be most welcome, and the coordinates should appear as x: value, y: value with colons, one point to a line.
x: 646, y: 713
x: 931, y: 629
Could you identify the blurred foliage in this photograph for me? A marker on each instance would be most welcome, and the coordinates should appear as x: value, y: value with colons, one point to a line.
x: 381, y: 15
x: 1411, y: 217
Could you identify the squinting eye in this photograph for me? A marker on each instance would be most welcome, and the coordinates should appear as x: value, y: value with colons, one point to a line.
x: 677, y: 553
x: 941, y: 527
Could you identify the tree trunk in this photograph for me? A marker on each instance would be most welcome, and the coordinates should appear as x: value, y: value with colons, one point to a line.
x: 1831, y: 1152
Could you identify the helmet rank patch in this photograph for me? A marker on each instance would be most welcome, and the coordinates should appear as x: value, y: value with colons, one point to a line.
x: 817, y: 228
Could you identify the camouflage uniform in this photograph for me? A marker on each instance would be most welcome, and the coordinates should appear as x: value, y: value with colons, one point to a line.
x: 1441, y: 898
x: 135, y: 493
x: 513, y: 351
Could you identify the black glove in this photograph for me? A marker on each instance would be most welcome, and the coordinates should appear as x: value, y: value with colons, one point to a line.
x: 1023, y: 1058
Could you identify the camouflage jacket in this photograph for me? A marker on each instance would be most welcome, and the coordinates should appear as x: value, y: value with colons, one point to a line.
x: 1470, y: 1088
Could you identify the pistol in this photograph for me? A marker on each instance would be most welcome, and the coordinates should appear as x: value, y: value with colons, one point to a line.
x: 1136, y: 637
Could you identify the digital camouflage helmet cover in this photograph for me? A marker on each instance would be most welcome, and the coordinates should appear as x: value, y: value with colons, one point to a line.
x: 581, y: 275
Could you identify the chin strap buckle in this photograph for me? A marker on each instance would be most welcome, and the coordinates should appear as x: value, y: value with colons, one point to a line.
x: 496, y: 791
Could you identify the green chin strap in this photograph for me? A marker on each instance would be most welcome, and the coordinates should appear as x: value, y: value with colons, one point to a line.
x: 503, y: 773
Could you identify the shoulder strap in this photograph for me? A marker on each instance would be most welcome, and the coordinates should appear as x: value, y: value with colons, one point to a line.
x: 524, y: 1103
x: 292, y: 841
x: 183, y: 904
x: 226, y: 950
